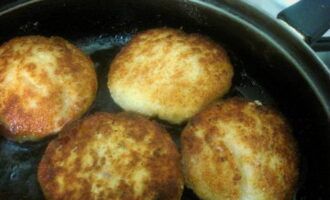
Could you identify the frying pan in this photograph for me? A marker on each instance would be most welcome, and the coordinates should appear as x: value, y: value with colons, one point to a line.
x: 271, y: 65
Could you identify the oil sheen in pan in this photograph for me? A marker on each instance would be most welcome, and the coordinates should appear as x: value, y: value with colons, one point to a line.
x: 18, y: 162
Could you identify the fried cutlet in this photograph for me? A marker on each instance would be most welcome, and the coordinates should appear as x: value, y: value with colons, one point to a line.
x: 169, y: 74
x: 112, y: 156
x: 45, y: 84
x: 238, y: 149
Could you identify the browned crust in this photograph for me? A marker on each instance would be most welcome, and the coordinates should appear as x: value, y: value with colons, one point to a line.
x: 130, y: 144
x: 45, y: 83
x: 179, y: 73
x: 228, y: 139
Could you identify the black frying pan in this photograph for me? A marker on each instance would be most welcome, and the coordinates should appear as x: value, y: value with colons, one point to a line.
x: 271, y: 65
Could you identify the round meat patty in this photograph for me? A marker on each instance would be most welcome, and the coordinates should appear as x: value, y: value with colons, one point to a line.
x: 237, y: 149
x: 45, y: 83
x: 112, y: 156
x: 169, y: 74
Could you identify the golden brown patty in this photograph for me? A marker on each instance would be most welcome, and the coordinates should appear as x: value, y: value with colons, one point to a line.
x: 112, y: 156
x: 169, y: 74
x: 238, y: 149
x: 45, y: 83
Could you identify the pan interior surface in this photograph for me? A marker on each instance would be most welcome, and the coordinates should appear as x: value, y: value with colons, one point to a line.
x: 100, y: 28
